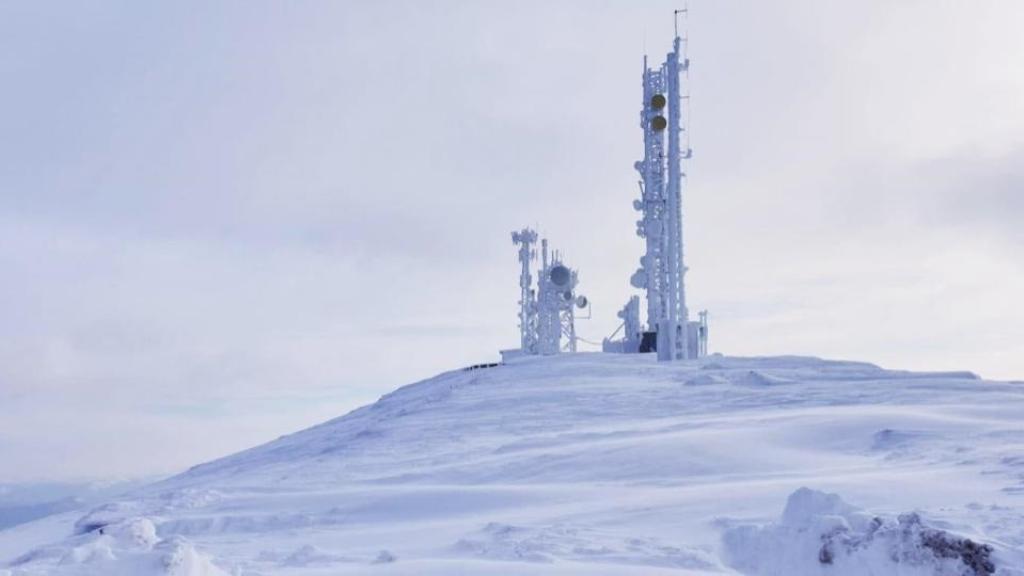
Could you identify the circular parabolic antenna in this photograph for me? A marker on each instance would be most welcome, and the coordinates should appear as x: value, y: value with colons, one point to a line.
x: 659, y: 123
x: 560, y: 275
x: 658, y: 101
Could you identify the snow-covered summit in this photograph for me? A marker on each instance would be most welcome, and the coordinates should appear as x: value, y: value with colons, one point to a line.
x: 596, y: 464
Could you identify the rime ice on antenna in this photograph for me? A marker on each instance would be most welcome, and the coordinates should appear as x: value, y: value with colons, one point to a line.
x: 525, y: 239
x: 662, y: 269
x: 547, y: 314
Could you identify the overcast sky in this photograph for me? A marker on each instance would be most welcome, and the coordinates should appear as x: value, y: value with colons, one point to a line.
x: 225, y: 221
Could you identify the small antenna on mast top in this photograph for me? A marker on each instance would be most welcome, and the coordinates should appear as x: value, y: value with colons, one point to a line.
x: 675, y: 19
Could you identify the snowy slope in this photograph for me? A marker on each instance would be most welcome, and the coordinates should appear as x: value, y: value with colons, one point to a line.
x: 595, y: 464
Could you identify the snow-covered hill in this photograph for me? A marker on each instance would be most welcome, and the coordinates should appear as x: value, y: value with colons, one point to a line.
x: 595, y: 464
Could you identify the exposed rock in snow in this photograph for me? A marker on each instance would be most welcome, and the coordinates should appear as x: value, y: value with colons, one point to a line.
x: 819, y: 530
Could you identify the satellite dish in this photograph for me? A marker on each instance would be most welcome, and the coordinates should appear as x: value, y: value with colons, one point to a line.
x: 659, y: 123
x: 658, y: 101
x: 581, y: 301
x: 560, y: 275
x: 638, y: 279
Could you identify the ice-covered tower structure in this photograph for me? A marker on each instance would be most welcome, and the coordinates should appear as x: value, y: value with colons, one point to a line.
x: 662, y: 267
x: 547, y: 314
x: 525, y: 239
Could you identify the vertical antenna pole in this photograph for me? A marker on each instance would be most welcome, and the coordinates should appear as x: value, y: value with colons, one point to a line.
x: 526, y: 238
x: 677, y: 316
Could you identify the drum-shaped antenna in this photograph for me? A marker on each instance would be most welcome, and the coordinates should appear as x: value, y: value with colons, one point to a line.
x: 659, y: 123
x: 658, y: 101
x: 638, y: 279
x: 581, y: 301
x: 560, y: 275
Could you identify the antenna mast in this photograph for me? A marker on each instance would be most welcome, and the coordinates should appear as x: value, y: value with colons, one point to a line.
x: 526, y: 238
x: 662, y: 268
x: 547, y: 313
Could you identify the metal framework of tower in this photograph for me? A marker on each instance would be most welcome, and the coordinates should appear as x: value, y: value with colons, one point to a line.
x: 662, y: 267
x: 525, y: 239
x: 547, y: 314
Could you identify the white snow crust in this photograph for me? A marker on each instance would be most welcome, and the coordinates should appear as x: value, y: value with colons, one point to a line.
x: 593, y: 464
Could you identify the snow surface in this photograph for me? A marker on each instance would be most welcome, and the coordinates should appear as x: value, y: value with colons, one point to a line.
x: 594, y: 464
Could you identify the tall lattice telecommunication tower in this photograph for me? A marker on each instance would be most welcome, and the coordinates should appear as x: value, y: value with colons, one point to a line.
x: 662, y: 267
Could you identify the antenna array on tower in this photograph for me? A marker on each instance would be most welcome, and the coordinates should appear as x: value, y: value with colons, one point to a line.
x: 662, y: 270
x: 546, y: 314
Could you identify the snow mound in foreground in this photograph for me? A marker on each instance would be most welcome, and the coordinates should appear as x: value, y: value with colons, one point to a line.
x: 127, y: 547
x: 819, y: 533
